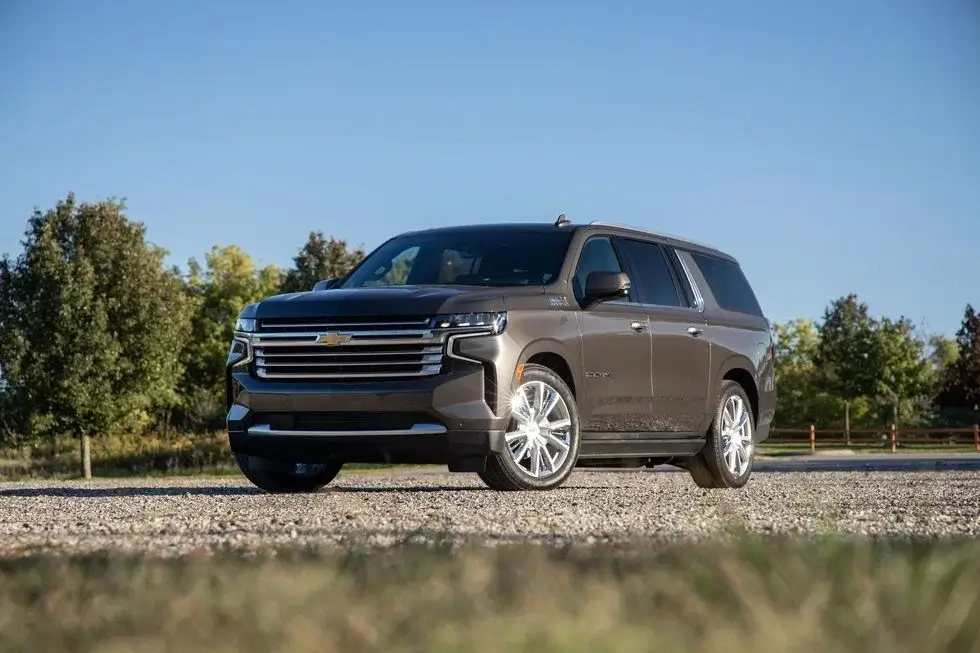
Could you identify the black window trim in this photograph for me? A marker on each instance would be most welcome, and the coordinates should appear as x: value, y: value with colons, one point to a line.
x: 670, y: 252
x: 623, y: 265
x: 737, y: 265
x: 619, y: 240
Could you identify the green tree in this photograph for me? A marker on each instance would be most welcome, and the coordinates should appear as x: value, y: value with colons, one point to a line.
x: 847, y: 346
x: 803, y: 400
x: 943, y: 352
x: 904, y: 380
x: 960, y: 394
x: 229, y: 280
x: 91, y: 325
x: 319, y: 259
x: 847, y: 343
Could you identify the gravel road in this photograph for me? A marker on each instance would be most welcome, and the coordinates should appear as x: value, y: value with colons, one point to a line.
x: 181, y: 516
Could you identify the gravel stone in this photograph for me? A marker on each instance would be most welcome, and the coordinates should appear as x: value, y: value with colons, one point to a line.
x: 200, y: 516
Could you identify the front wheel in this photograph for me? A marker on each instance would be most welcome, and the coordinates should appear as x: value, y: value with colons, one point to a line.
x: 275, y: 477
x: 542, y: 439
x: 729, y: 453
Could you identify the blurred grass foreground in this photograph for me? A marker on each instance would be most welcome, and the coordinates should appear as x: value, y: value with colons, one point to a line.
x: 764, y: 596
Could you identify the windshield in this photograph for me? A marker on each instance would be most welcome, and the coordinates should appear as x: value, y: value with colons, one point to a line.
x: 465, y: 258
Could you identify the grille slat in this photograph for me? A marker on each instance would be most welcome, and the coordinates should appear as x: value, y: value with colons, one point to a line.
x: 356, y: 349
x: 281, y: 325
x: 279, y: 353
x: 428, y: 360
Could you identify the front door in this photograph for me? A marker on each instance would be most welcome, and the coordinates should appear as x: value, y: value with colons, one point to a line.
x: 615, y: 351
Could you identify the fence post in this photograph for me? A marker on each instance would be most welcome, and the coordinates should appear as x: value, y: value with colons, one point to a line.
x: 813, y: 438
x: 894, y: 438
x: 976, y: 436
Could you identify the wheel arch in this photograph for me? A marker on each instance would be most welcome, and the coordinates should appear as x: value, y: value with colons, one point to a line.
x: 556, y: 356
x: 738, y: 369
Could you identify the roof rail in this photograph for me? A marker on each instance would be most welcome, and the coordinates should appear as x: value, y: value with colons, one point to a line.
x: 650, y: 232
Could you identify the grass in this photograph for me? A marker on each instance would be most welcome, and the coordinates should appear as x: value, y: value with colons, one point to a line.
x: 759, y: 595
x: 185, y: 454
x: 128, y: 455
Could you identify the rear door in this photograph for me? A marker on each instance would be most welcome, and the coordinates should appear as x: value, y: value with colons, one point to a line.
x: 615, y: 349
x: 680, y: 354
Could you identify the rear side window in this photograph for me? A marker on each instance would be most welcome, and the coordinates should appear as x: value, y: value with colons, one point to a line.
x: 728, y: 284
x: 654, y: 282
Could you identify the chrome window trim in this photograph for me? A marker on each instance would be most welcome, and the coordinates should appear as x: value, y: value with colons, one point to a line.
x: 698, y: 297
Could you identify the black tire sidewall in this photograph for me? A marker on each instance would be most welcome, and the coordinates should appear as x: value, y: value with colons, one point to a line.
x: 512, y: 469
x: 271, y: 480
x: 718, y: 464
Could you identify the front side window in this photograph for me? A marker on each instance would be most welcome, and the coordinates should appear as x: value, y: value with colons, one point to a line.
x: 465, y: 258
x: 598, y: 255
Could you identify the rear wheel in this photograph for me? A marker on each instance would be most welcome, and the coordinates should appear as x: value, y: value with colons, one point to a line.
x: 542, y: 440
x: 276, y: 477
x: 728, y: 455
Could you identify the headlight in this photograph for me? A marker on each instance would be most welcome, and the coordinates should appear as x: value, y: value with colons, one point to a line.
x: 240, y: 353
x: 489, y: 322
x: 246, y: 319
x: 245, y: 325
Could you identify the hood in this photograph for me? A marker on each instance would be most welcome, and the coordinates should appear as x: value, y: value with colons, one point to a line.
x: 423, y: 301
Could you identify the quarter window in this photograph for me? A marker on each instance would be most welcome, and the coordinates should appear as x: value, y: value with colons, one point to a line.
x: 728, y: 284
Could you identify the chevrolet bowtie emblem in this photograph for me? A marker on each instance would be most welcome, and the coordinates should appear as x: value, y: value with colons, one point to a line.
x: 333, y: 338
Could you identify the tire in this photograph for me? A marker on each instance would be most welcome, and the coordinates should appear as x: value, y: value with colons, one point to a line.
x: 710, y: 467
x: 503, y: 472
x: 278, y: 478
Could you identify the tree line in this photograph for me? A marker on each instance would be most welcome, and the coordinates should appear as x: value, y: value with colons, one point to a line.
x: 98, y: 335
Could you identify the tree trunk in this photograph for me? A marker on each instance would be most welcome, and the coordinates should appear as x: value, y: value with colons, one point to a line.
x: 847, y: 423
x: 86, y: 456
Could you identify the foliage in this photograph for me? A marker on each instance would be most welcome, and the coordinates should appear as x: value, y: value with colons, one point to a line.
x: 961, y: 383
x: 881, y: 367
x: 218, y: 291
x: 802, y: 401
x: 320, y: 258
x: 846, y: 349
x: 92, y: 323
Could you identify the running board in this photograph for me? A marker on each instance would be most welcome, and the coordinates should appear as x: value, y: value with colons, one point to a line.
x: 635, y: 448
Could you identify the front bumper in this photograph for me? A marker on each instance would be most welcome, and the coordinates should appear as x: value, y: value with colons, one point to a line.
x: 444, y: 419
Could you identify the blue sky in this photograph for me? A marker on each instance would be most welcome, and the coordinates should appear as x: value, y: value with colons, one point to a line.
x: 831, y: 146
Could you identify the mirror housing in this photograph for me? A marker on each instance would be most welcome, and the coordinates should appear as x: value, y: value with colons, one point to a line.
x: 605, y: 285
x: 325, y: 284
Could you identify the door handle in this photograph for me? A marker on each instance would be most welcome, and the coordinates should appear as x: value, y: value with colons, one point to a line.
x: 638, y: 326
x: 695, y: 331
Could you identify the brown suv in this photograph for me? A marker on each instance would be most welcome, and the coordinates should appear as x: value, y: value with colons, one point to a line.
x: 515, y: 351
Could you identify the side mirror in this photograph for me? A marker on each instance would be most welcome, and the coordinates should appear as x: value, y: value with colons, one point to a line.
x: 603, y: 285
x: 325, y: 284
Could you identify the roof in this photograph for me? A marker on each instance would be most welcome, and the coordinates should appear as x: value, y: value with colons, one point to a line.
x: 547, y: 227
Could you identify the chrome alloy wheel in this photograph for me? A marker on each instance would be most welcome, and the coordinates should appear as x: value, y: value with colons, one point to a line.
x: 539, y: 437
x: 736, y: 434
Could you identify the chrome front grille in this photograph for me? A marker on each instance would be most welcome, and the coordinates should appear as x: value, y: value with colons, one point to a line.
x: 347, y: 349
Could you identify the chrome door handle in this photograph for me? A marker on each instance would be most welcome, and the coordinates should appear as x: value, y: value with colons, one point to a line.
x: 695, y: 331
x: 638, y: 326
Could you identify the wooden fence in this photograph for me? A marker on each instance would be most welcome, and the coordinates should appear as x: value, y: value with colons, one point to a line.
x: 891, y: 438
